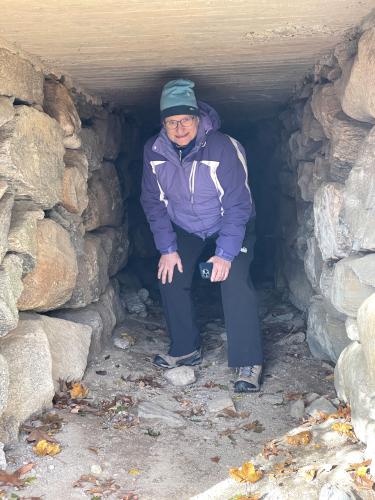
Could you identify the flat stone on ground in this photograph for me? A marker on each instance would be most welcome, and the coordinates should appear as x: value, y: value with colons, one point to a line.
x: 149, y: 410
x: 180, y: 376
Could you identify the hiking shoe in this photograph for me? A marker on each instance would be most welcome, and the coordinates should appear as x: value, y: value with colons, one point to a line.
x: 166, y: 361
x: 248, y: 379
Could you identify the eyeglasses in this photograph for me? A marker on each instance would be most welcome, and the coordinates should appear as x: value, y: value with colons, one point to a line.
x: 185, y: 122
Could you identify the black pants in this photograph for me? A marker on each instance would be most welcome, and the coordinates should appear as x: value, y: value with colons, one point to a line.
x: 238, y: 298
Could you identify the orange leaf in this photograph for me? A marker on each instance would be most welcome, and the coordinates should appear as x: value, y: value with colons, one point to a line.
x: 302, y: 438
x: 43, y: 448
x: 78, y: 391
x: 246, y: 473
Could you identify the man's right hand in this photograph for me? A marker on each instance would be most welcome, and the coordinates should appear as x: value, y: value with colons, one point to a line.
x: 166, y: 266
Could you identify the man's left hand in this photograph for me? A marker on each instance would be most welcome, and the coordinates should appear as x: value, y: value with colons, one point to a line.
x: 221, y: 268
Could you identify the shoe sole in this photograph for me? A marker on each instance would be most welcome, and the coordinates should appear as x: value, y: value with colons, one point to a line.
x: 179, y: 363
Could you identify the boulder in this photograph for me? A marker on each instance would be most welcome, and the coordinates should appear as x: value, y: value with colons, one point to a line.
x: 86, y: 316
x: 10, y: 290
x: 366, y: 330
x: 4, y: 383
x: 51, y: 283
x: 69, y: 344
x: 300, y: 291
x: 26, y: 351
x: 19, y: 78
x: 313, y: 263
x: 72, y: 223
x: 311, y: 128
x: 92, y: 148
x: 107, y: 307
x: 35, y: 173
x: 326, y: 335
x: 325, y: 105
x: 359, y: 197
x: 332, y: 235
x: 115, y: 241
x: 59, y: 105
x: 6, y: 205
x: 6, y: 110
x: 353, y: 386
x: 105, y: 207
x: 72, y: 142
x: 92, y: 277
x: 347, y: 137
x: 303, y: 148
x: 74, y: 196
x: 110, y: 135
x: 22, y: 237
x: 351, y: 327
x: 77, y: 159
x: 350, y: 284
x: 358, y: 97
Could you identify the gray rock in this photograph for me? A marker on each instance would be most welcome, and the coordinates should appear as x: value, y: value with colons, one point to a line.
x: 366, y: 329
x: 320, y: 405
x: 3, y: 461
x: 10, y: 291
x: 26, y: 350
x: 220, y: 402
x: 295, y: 338
x: 143, y: 294
x: 133, y: 303
x: 311, y: 396
x: 6, y: 110
x: 92, y: 148
x: 69, y: 346
x: 351, y: 327
x: 297, y: 409
x: 273, y: 399
x: 311, y: 128
x: 313, y: 263
x: 109, y: 131
x: 180, y: 376
x: 20, y: 79
x: 106, y: 307
x: 333, y: 492
x: 325, y: 105
x: 4, y: 383
x: 115, y: 241
x: 299, y: 286
x: 152, y: 411
x: 6, y: 204
x: 358, y: 98
x: 35, y: 174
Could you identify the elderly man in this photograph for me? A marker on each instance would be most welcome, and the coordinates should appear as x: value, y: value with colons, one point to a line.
x: 195, y: 192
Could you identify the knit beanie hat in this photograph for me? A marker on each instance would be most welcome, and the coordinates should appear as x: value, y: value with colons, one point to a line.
x: 178, y: 98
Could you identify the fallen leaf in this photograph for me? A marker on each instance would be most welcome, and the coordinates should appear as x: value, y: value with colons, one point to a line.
x: 344, y: 428
x: 94, y: 450
x: 365, y: 463
x: 310, y: 474
x: 229, y: 412
x: 302, y: 438
x: 270, y: 449
x: 38, y: 435
x: 216, y: 459
x: 78, y: 391
x: 293, y: 396
x: 43, y: 448
x: 24, y: 469
x: 255, y: 426
x: 7, y: 479
x: 364, y: 482
x: 246, y: 473
x: 134, y: 472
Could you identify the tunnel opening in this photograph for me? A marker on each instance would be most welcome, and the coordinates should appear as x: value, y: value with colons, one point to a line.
x: 79, y: 297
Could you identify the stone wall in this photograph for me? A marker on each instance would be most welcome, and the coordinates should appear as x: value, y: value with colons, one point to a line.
x: 327, y: 182
x: 63, y: 234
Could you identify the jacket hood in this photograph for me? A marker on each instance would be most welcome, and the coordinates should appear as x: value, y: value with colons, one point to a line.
x: 210, y: 118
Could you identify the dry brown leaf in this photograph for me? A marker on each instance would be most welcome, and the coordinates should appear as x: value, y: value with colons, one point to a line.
x: 364, y: 482
x: 24, y: 469
x: 255, y: 426
x: 94, y: 450
x: 284, y: 468
x: 78, y: 391
x: 229, y: 412
x: 270, y: 449
x: 7, y: 479
x: 302, y: 438
x: 216, y: 459
x: 43, y: 448
x: 37, y: 435
x: 293, y: 396
x: 365, y: 463
x: 246, y: 473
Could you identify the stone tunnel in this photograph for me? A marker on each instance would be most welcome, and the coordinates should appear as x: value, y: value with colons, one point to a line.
x: 80, y: 84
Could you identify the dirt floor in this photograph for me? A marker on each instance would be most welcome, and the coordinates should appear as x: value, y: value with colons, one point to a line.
x: 137, y: 433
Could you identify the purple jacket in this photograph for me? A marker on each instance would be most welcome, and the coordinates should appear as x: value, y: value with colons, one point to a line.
x: 205, y: 193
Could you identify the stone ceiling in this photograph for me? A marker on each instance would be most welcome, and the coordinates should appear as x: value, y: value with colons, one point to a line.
x: 245, y: 55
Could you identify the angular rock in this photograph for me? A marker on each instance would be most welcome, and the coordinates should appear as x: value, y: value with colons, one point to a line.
x: 69, y: 344
x: 19, y: 78
x: 152, y: 411
x: 92, y: 277
x: 10, y: 290
x: 366, y: 330
x: 180, y: 376
x: 74, y: 197
x: 114, y: 291
x: 35, y: 173
x: 313, y: 263
x: 299, y: 286
x: 107, y: 308
x: 105, y: 206
x: 77, y: 159
x: 305, y: 180
x: 6, y: 110
x: 303, y: 148
x: 133, y: 303
x: 347, y: 290
x: 311, y: 128
x: 27, y: 353
x: 86, y: 316
x: 351, y: 327
x: 92, y: 148
x: 110, y: 135
x: 353, y: 386
x: 320, y: 405
x: 51, y: 283
x: 326, y: 335
x: 115, y: 241
x: 358, y: 99
x: 335, y: 492
x: 359, y: 198
x: 332, y: 235
x: 59, y: 105
x: 4, y: 383
x: 297, y: 409
x: 325, y: 105
x: 72, y: 223
x: 22, y: 237
x: 6, y: 205
x: 220, y: 402
x: 347, y: 137
x: 72, y: 142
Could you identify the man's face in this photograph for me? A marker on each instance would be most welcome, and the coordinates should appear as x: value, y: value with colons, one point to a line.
x: 181, y: 129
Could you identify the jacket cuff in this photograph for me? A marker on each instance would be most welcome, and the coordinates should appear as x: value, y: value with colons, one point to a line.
x: 219, y: 252
x: 171, y: 249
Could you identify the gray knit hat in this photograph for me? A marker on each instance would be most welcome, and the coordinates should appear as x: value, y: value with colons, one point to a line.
x: 178, y: 98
